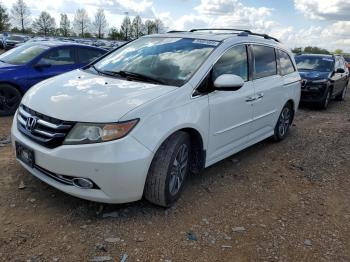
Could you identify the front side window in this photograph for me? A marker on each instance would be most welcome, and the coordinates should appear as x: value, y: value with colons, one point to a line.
x: 234, y: 61
x: 286, y: 63
x: 23, y: 54
x: 59, y: 56
x: 265, y: 61
x: 173, y: 61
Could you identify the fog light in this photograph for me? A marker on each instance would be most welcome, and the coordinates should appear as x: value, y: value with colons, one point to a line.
x: 82, y: 183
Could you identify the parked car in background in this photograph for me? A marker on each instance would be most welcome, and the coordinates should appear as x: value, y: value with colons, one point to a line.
x: 138, y: 120
x: 12, y: 40
x: 347, y: 60
x: 324, y: 77
x: 3, y: 38
x: 28, y: 64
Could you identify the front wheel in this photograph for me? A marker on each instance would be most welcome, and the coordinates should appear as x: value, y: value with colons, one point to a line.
x: 325, y: 102
x: 168, y: 170
x: 342, y: 96
x: 10, y: 99
x: 283, y: 123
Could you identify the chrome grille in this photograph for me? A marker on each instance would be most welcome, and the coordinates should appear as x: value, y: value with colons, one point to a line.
x: 47, y: 131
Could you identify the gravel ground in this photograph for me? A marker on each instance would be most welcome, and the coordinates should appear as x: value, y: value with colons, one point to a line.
x: 285, y: 201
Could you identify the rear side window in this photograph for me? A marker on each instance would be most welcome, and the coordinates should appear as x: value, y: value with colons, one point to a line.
x: 234, y: 61
x: 86, y: 55
x: 265, y: 61
x: 286, y: 63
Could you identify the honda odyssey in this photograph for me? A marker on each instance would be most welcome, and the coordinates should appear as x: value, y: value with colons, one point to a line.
x: 138, y: 120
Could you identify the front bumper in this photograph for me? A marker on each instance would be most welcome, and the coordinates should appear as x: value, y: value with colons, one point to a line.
x: 313, y: 93
x: 119, y: 168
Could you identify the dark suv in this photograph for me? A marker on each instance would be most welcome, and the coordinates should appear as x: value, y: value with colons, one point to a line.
x: 323, y: 77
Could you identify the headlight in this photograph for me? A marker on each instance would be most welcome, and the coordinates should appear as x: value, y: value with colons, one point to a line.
x: 86, y: 133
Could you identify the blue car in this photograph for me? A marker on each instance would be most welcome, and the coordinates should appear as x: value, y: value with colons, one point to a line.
x: 28, y: 64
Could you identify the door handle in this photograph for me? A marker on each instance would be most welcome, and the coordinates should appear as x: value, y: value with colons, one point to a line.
x: 260, y: 95
x: 249, y: 99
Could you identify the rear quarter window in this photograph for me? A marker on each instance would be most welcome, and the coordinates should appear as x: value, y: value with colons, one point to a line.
x: 286, y: 64
x: 264, y: 61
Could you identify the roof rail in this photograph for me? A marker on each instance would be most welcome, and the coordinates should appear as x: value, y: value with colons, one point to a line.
x: 176, y: 31
x: 243, y: 32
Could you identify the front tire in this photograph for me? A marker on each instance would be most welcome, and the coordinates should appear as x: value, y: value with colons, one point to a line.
x: 325, y: 102
x: 342, y: 96
x: 284, y: 122
x: 168, y: 170
x: 10, y: 98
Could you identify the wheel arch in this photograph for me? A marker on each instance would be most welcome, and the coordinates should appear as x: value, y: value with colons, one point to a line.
x: 198, y: 152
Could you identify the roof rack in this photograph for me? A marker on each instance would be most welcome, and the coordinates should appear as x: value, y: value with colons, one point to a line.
x: 243, y: 32
x: 176, y: 31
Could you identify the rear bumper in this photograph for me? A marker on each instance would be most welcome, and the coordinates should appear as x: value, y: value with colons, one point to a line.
x: 118, y: 168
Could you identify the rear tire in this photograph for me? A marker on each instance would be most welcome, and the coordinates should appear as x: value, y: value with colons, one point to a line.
x: 284, y: 122
x: 10, y: 98
x: 342, y: 96
x: 168, y: 170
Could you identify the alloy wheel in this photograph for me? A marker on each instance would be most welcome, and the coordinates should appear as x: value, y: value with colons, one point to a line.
x: 178, y: 169
x: 284, y: 121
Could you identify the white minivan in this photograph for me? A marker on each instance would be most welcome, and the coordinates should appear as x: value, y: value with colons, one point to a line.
x: 135, y: 122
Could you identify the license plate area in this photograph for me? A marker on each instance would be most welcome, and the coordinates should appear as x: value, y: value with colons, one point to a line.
x: 25, y: 154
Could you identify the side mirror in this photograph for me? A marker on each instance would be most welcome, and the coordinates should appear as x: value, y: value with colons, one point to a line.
x: 228, y: 82
x: 41, y: 64
x: 340, y: 71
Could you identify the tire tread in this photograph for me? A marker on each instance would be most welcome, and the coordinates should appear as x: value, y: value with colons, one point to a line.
x: 155, y: 186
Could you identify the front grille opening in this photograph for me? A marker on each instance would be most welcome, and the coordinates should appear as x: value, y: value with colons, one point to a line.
x: 48, y: 131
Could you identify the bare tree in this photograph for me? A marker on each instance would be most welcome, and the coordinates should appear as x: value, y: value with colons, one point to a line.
x: 100, y: 23
x: 125, y: 28
x: 149, y: 27
x: 45, y: 24
x: 21, y: 14
x: 137, y: 27
x: 81, y: 21
x: 64, y: 25
x: 4, y: 19
x: 158, y: 26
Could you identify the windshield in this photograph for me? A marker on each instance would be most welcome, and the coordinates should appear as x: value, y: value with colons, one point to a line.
x: 22, y: 54
x: 321, y: 64
x: 16, y: 38
x: 172, y: 61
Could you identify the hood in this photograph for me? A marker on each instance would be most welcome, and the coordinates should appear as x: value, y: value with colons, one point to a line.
x: 86, y: 97
x: 314, y: 75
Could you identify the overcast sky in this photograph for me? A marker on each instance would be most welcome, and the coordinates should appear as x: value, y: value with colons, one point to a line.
x: 325, y: 23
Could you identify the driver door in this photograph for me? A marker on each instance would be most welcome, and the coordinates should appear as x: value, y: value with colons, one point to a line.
x: 231, y: 112
x: 57, y: 61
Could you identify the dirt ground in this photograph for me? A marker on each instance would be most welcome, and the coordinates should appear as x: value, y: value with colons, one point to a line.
x: 287, y: 201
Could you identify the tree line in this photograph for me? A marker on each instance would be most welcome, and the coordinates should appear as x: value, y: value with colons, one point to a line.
x: 315, y: 50
x: 19, y: 20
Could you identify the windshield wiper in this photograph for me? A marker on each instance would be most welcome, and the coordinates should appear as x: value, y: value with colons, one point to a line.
x: 98, y: 71
x: 132, y: 75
